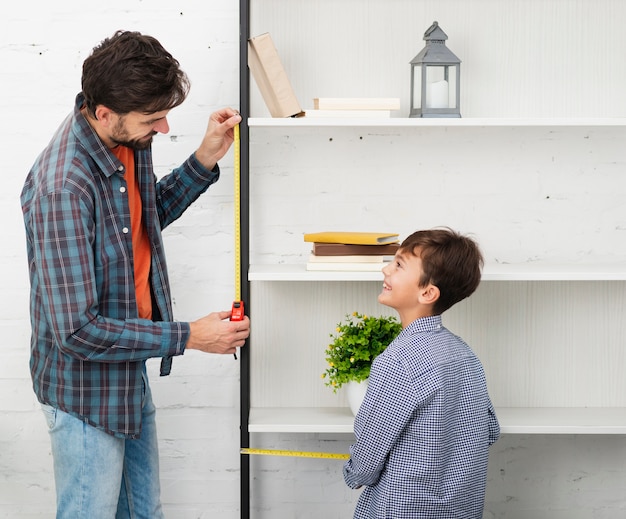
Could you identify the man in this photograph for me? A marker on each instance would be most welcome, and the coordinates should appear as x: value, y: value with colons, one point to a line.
x: 100, y: 296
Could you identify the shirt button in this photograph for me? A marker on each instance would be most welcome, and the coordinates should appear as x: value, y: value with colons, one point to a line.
x: 125, y: 230
x: 122, y: 189
x: 120, y: 168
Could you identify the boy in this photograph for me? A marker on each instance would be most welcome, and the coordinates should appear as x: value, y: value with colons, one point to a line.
x: 425, y: 426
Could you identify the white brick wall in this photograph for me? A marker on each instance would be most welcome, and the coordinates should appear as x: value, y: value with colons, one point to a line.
x: 42, y: 47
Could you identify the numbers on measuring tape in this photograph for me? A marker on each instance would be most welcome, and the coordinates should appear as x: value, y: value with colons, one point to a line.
x: 296, y: 454
x: 237, y: 311
x: 237, y: 212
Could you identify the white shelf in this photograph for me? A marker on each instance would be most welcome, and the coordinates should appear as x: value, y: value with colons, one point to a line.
x: 296, y: 122
x: 491, y: 272
x: 298, y: 272
x: 513, y: 420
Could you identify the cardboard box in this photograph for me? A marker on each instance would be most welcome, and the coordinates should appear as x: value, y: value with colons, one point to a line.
x: 271, y: 78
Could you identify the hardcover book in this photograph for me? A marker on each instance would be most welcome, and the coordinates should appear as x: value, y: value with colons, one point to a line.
x: 313, y: 258
x: 356, y: 103
x: 344, y: 249
x: 355, y: 238
x: 271, y: 78
x: 348, y: 113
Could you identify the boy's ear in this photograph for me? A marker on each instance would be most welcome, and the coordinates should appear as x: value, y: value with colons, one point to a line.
x: 429, y: 294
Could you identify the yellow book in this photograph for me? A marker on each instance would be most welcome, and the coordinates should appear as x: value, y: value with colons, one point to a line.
x: 352, y: 238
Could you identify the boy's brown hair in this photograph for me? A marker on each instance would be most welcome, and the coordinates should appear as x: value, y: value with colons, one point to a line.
x: 450, y: 261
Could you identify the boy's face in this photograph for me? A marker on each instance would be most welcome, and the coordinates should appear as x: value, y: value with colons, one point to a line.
x: 401, y: 290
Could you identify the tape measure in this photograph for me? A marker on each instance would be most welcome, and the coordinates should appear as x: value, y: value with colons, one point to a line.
x: 237, y: 206
x: 296, y: 454
x: 237, y: 311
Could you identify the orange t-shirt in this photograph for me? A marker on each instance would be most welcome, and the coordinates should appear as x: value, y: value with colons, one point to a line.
x: 141, y: 243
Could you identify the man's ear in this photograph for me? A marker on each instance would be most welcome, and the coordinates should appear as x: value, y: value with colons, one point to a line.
x: 104, y: 115
x: 429, y: 294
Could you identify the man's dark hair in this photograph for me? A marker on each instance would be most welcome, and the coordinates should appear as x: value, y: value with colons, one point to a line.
x: 450, y: 261
x: 132, y: 72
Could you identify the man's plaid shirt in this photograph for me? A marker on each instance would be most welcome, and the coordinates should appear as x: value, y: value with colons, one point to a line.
x: 88, y: 346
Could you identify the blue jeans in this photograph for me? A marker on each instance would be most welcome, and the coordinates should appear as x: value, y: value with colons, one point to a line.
x: 99, y: 476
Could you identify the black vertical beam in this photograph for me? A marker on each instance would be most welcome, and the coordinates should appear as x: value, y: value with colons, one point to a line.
x: 244, y: 135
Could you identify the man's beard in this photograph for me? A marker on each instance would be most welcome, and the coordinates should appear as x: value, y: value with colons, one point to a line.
x: 134, y: 144
x: 120, y: 137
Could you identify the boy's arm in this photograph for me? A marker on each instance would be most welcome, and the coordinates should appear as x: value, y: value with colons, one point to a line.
x: 389, y: 404
x: 494, y: 425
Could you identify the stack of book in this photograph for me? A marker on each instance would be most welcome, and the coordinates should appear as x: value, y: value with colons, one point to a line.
x: 353, y: 107
x: 351, y: 251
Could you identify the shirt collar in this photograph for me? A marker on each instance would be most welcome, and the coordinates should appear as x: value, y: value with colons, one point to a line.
x: 425, y: 324
x: 108, y: 163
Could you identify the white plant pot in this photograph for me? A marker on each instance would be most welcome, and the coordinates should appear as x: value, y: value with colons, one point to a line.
x: 355, y: 392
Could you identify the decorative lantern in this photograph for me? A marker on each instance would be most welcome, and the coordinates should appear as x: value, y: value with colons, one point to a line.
x: 435, y: 78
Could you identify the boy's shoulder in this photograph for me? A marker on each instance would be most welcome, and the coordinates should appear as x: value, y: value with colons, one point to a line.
x: 426, y: 344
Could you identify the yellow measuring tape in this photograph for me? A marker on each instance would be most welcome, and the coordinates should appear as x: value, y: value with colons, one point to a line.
x: 296, y: 454
x: 237, y: 311
x: 237, y: 205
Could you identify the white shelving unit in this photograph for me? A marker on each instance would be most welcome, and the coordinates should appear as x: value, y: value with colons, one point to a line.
x: 555, y: 289
x: 538, y: 178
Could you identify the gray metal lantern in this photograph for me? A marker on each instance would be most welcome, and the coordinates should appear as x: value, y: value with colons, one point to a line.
x: 435, y: 78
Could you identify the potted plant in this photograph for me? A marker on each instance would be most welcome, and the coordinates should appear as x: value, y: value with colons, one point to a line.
x: 357, y: 341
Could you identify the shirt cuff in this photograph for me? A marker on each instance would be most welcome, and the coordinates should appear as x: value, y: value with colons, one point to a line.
x: 174, y: 338
x: 212, y: 175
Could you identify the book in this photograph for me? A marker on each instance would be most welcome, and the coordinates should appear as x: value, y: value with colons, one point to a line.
x: 271, y: 78
x: 356, y: 103
x: 348, y: 113
x: 349, y: 259
x: 339, y: 266
x: 344, y: 249
x: 356, y: 238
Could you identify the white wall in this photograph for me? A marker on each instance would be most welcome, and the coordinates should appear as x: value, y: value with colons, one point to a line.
x: 42, y: 46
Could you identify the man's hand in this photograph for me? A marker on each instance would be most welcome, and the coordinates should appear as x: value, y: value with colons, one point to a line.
x: 215, y: 334
x: 218, y: 137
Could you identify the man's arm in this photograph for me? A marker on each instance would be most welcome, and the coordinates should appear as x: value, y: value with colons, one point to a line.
x: 388, y: 407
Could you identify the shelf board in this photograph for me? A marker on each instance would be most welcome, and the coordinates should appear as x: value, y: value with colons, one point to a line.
x: 492, y: 272
x: 535, y: 271
x: 513, y: 420
x: 296, y: 122
x: 298, y: 272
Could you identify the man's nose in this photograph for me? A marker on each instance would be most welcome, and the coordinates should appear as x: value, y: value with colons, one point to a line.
x: 162, y: 126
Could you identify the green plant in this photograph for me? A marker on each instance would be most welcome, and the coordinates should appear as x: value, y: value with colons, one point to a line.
x: 357, y: 342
